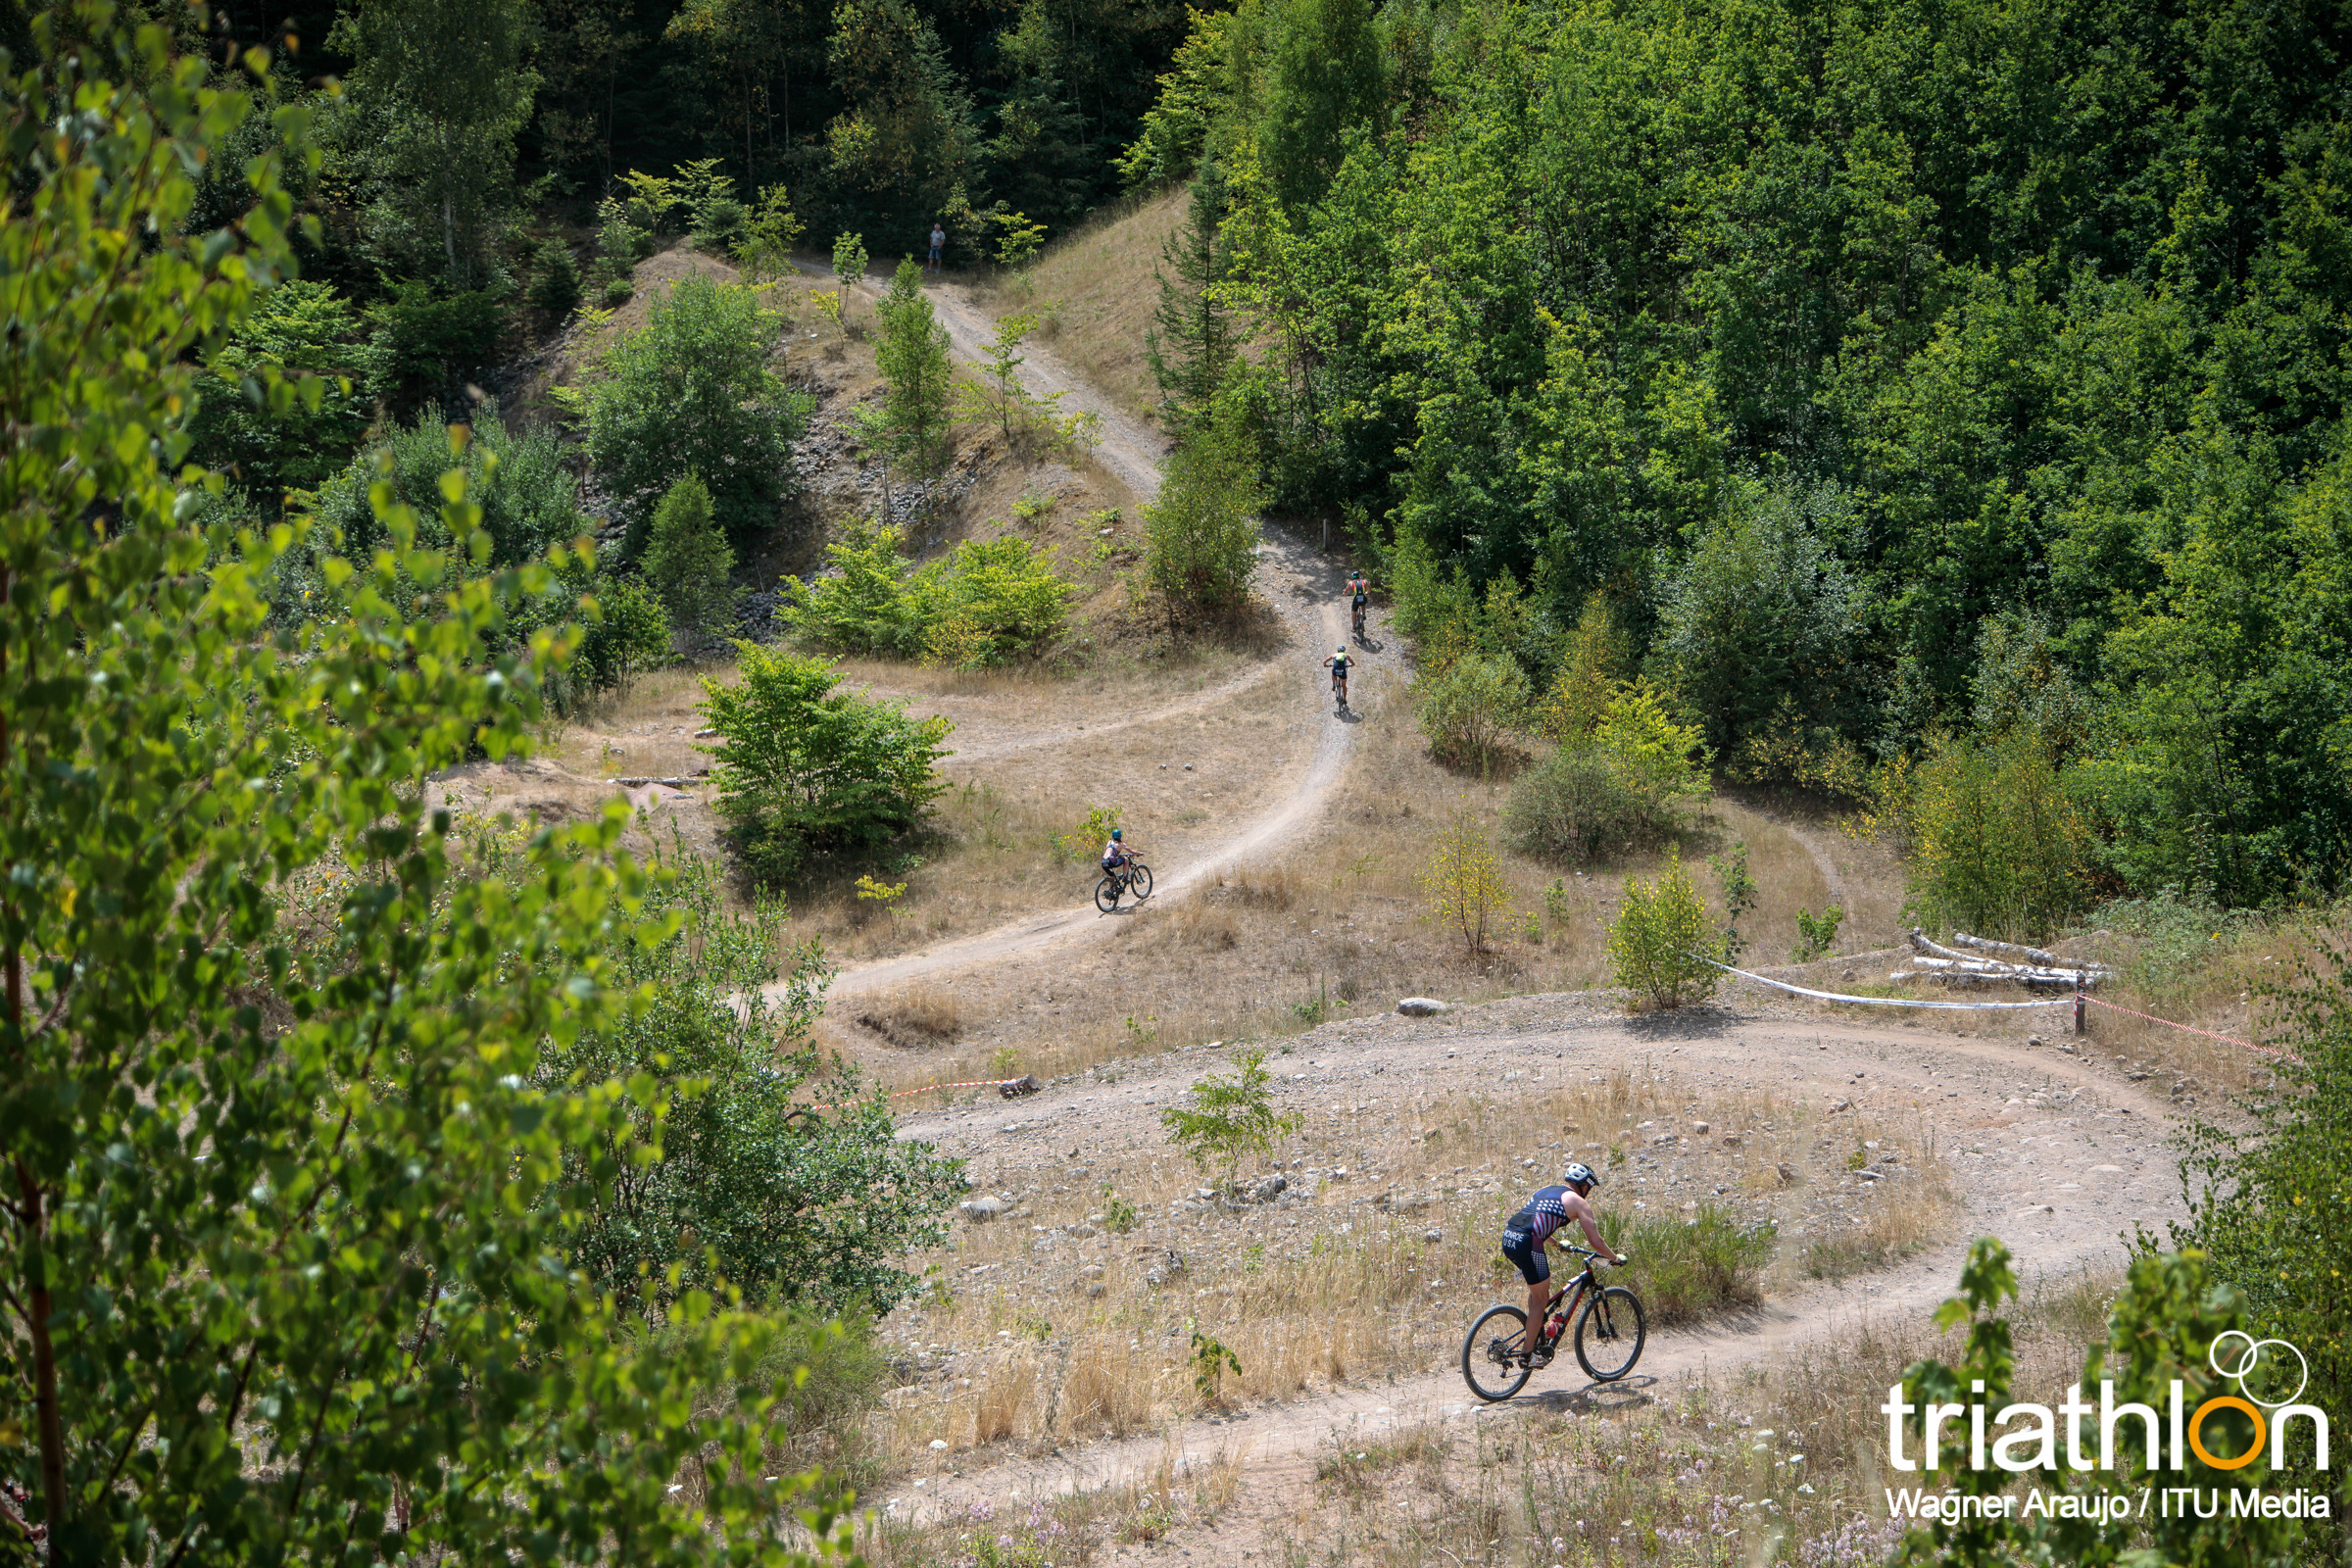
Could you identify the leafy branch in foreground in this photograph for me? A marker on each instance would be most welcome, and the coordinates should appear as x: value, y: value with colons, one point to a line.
x: 286, y: 1275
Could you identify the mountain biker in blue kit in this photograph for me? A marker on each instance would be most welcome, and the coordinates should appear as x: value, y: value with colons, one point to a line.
x: 1528, y: 1232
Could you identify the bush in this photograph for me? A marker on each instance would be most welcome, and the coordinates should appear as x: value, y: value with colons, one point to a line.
x: 687, y: 561
x: 802, y: 768
x: 751, y: 1188
x: 1463, y: 887
x: 522, y: 480
x: 1691, y: 1269
x: 618, y: 291
x: 1230, y: 1119
x: 693, y: 392
x: 630, y: 634
x: 1998, y: 847
x: 1201, y: 536
x: 914, y: 427
x: 555, y: 280
x: 1468, y: 706
x: 1623, y: 786
x: 1660, y: 941
x: 985, y: 603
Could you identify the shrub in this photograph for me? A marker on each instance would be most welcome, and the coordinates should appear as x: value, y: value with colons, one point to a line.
x: 1660, y: 940
x: 1468, y: 706
x: 1693, y: 1269
x: 984, y: 603
x: 1997, y: 845
x: 687, y: 560
x: 629, y: 634
x: 1592, y: 664
x: 2273, y: 1210
x: 618, y: 291
x: 1200, y: 535
x: 1625, y: 786
x: 849, y: 266
x: 769, y: 232
x: 694, y: 392
x: 989, y: 600
x: 1816, y: 933
x: 555, y: 280
x: 751, y: 1190
x: 1462, y: 884
x: 523, y: 481
x: 802, y: 768
x: 1230, y: 1118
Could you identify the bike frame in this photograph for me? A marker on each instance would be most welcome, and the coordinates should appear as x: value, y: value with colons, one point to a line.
x: 1573, y: 1292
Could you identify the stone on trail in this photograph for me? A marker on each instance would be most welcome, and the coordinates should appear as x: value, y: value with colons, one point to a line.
x: 1026, y: 1084
x: 1420, y: 1007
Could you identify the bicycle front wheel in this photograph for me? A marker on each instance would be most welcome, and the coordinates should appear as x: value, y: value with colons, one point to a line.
x: 1106, y: 893
x: 1609, y: 1333
x: 1492, y: 1362
x: 1140, y: 879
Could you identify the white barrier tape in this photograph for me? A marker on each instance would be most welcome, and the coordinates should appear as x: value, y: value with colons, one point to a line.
x: 1889, y: 1002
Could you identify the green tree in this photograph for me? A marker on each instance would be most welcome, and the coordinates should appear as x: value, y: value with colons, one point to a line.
x: 802, y: 768
x: 693, y: 391
x: 437, y: 97
x: 687, y: 560
x: 848, y: 265
x: 1322, y: 82
x: 916, y: 427
x: 770, y: 231
x: 555, y: 280
x: 752, y: 1190
x: 1191, y: 342
x: 287, y: 1268
x: 1230, y: 1118
x: 1464, y: 887
x: 427, y: 346
x: 1660, y: 943
x: 905, y: 139
x: 1200, y: 535
x: 297, y: 330
x: 1999, y: 844
x: 1762, y: 614
x: 1468, y: 704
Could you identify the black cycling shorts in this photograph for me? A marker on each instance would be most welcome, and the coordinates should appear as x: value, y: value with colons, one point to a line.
x: 1533, y: 1262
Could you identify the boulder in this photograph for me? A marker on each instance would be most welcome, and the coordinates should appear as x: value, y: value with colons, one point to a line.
x: 1420, y: 1007
x: 980, y: 1210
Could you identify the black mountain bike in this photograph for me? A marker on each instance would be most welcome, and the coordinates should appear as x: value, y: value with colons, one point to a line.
x: 1133, y: 877
x: 1608, y: 1335
x: 1359, y: 621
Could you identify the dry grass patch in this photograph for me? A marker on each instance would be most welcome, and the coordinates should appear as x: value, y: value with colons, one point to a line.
x: 1097, y: 287
x: 918, y: 1016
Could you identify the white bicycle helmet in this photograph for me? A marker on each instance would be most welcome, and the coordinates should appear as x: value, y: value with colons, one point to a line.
x: 1579, y: 1174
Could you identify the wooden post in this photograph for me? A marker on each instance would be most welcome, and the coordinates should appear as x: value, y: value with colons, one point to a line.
x: 2079, y: 988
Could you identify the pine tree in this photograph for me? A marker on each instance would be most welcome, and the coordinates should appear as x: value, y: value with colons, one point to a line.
x: 555, y: 280
x: 1191, y: 342
x: 687, y: 560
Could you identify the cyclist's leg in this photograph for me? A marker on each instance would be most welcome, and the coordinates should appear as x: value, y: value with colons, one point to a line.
x: 1535, y: 1266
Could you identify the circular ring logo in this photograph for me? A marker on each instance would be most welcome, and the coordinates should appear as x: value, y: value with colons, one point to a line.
x: 2249, y: 1360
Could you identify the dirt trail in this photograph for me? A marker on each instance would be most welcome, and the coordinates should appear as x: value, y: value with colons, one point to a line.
x: 1304, y: 590
x: 2056, y: 1186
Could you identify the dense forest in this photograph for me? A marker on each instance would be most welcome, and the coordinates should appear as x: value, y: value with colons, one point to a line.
x: 1940, y: 405
x: 1943, y: 401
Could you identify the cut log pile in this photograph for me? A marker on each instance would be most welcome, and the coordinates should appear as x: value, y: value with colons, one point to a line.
x: 2008, y: 964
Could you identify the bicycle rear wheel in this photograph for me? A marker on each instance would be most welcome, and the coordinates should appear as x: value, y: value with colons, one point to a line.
x: 1491, y: 1354
x: 1106, y: 893
x: 1140, y: 879
x: 1609, y: 1333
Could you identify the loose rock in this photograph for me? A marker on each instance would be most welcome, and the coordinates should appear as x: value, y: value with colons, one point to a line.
x: 1420, y: 1007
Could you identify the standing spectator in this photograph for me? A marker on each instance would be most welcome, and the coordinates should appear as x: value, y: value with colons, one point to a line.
x: 939, y: 243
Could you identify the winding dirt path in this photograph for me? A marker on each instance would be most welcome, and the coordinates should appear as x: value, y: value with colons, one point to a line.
x: 2056, y: 1185
x: 1304, y: 590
